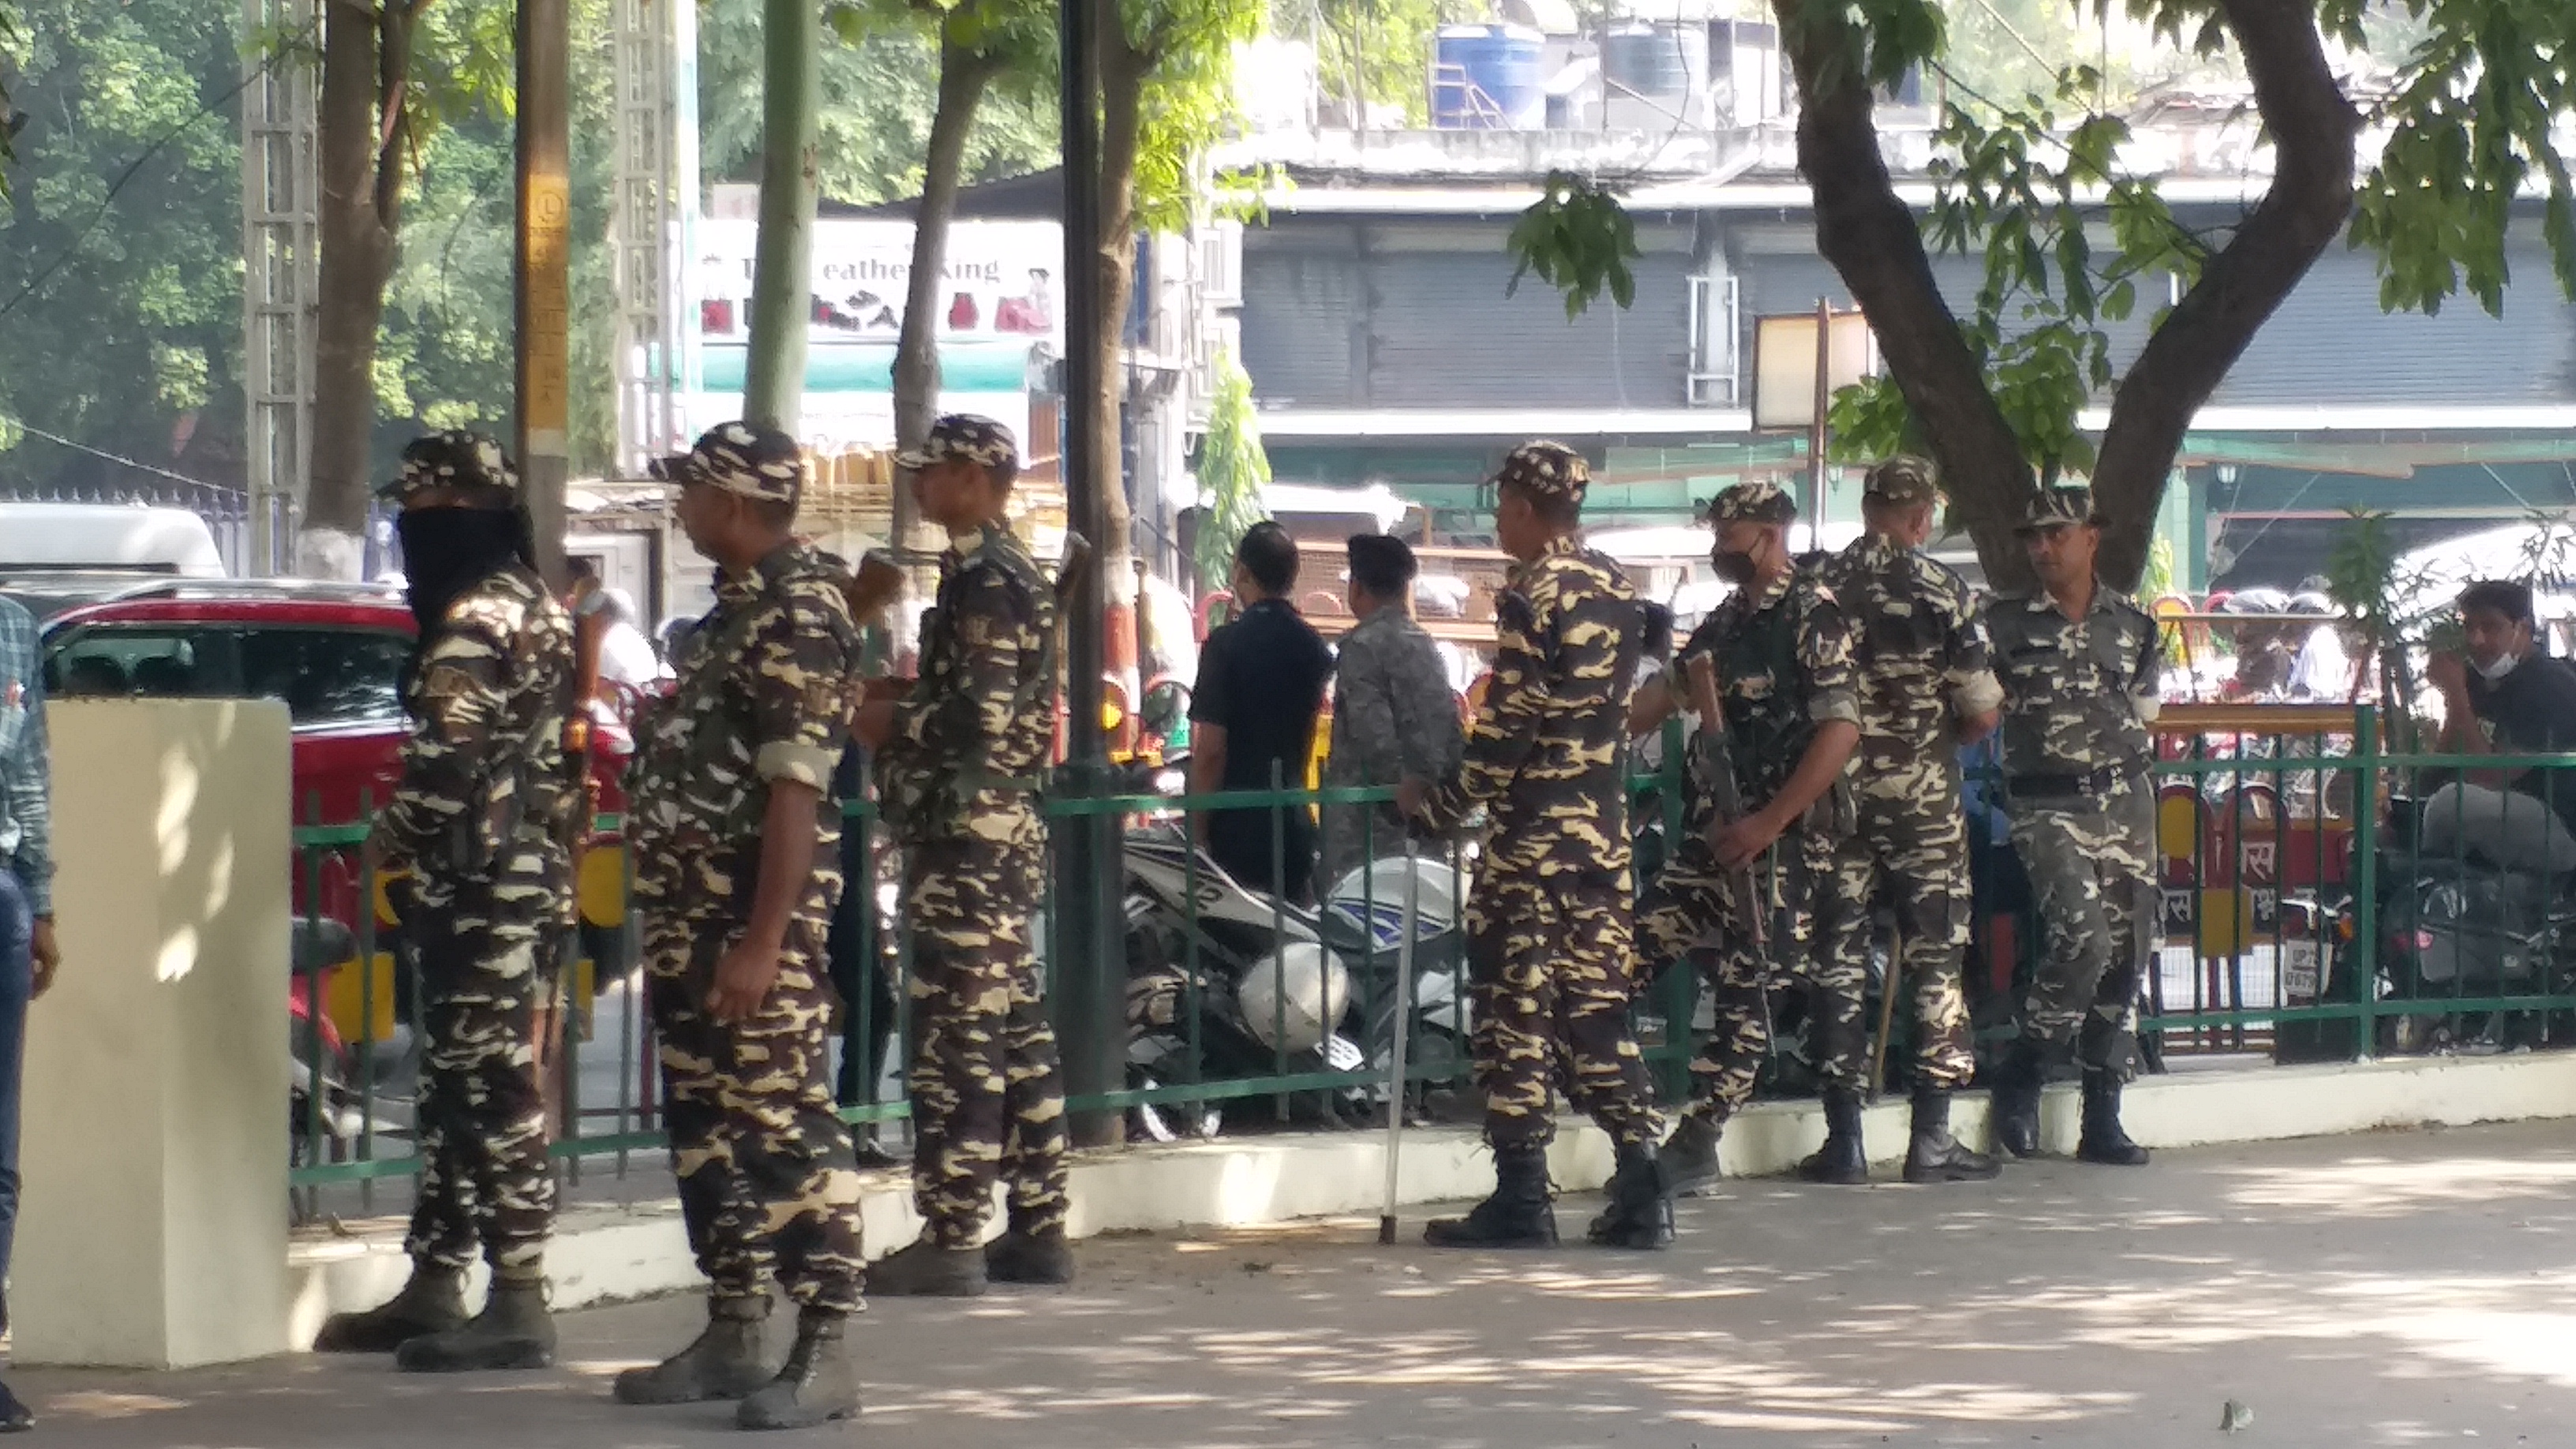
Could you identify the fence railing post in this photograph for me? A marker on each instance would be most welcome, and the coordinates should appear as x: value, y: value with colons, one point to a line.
x: 2365, y: 882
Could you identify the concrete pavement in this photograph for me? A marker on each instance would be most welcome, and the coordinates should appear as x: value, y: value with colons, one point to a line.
x: 2394, y: 1288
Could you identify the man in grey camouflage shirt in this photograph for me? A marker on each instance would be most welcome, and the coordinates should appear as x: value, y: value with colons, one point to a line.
x: 1393, y: 714
x: 2078, y: 662
x: 1926, y: 686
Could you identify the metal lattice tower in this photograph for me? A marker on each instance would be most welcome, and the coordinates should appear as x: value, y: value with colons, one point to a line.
x: 656, y: 182
x: 281, y: 253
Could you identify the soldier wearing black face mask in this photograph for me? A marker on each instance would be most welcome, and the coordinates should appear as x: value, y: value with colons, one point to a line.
x: 475, y: 834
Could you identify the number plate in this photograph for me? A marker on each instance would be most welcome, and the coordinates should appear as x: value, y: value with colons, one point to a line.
x: 2300, y: 962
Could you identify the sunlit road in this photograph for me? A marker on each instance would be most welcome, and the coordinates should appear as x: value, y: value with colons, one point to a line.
x: 2400, y: 1288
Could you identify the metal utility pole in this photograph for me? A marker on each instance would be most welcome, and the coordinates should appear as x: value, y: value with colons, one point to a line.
x: 1090, y: 946
x: 1816, y: 438
x: 782, y: 268
x: 281, y: 250
x: 543, y: 294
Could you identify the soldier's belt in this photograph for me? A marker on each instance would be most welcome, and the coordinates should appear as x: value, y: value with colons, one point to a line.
x: 2104, y: 781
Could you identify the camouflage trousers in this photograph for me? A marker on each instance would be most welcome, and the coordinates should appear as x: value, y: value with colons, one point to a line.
x: 485, y: 1180
x: 1547, y: 970
x: 987, y: 1095
x: 768, y: 1182
x: 1690, y: 899
x: 2092, y: 875
x: 1911, y: 848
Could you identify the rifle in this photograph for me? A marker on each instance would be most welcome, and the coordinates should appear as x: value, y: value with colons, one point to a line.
x: 1717, y: 756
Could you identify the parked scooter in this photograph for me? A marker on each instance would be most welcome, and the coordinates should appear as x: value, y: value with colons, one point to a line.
x: 1226, y: 983
x: 324, y: 1064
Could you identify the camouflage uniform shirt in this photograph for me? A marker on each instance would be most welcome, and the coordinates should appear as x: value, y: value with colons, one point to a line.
x: 1784, y: 666
x: 973, y: 734
x: 763, y: 695
x: 482, y: 806
x: 1546, y: 754
x: 1921, y: 656
x: 2079, y: 693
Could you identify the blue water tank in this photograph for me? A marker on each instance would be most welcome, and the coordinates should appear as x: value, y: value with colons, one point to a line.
x: 1488, y: 78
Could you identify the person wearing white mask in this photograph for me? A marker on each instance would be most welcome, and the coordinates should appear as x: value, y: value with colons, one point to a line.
x: 2502, y: 696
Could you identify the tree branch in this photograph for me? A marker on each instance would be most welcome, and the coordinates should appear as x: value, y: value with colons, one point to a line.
x: 394, y: 25
x: 1875, y: 243
x: 2313, y: 128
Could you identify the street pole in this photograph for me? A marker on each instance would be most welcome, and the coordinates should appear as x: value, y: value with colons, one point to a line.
x: 1816, y: 429
x: 1089, y: 947
x: 782, y: 268
x: 542, y: 294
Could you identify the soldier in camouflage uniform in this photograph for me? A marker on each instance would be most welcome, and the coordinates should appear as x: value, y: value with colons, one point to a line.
x: 2078, y: 661
x: 735, y: 838
x: 1548, y: 921
x: 1394, y: 716
x: 476, y: 832
x: 1926, y: 687
x: 1782, y: 652
x: 959, y: 755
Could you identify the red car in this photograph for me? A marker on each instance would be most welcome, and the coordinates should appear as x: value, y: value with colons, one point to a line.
x: 334, y: 653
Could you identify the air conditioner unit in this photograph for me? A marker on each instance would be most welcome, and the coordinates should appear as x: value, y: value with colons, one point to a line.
x: 1221, y: 263
x: 1218, y: 337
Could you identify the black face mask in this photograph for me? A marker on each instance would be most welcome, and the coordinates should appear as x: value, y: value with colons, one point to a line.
x: 448, y: 550
x: 1736, y: 568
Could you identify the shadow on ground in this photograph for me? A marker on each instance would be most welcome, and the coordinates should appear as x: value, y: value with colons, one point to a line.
x: 2394, y: 1289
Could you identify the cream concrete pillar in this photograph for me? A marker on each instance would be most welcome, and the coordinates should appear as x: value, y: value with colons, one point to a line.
x: 152, y: 1230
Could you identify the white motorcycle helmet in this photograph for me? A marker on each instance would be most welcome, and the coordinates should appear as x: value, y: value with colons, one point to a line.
x: 1294, y: 998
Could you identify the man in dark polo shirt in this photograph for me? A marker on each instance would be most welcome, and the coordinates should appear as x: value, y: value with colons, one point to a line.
x: 2505, y: 697
x: 1252, y: 718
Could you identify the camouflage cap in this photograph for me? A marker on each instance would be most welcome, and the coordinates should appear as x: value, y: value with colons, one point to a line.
x: 2057, y: 507
x: 452, y: 459
x: 965, y: 438
x: 1903, y: 480
x: 1762, y: 502
x: 746, y: 458
x: 1550, y: 470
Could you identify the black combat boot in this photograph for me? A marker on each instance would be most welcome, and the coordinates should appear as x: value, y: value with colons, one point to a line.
x: 724, y: 1362
x: 2015, y: 1102
x: 1025, y: 1257
x: 432, y: 1302
x: 1518, y: 1215
x: 2104, y: 1141
x: 1934, y: 1155
x: 1842, y: 1161
x: 514, y: 1331
x: 923, y: 1269
x: 817, y: 1385
x: 1689, y: 1156
x: 1640, y: 1214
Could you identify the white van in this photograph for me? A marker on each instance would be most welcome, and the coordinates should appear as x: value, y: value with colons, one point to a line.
x: 107, y: 538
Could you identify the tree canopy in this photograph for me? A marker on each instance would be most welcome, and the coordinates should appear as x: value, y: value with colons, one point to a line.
x: 2424, y: 173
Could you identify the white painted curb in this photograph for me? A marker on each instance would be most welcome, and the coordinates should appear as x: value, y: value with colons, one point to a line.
x: 608, y: 1253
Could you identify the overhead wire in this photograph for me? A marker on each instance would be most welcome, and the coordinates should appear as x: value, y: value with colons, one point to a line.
x: 135, y: 167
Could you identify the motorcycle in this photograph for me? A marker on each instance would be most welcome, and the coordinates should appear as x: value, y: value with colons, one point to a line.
x: 1226, y: 983
x: 2450, y: 929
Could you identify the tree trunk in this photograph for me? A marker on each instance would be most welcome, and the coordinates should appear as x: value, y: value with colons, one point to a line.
x: 366, y: 63
x: 2313, y: 131
x: 1122, y: 84
x: 963, y: 76
x: 1873, y: 240
x: 782, y: 269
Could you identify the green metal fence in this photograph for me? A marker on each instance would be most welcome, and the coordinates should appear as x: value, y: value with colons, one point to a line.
x: 2301, y: 968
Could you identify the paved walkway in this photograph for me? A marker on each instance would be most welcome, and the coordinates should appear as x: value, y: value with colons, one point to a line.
x: 2395, y: 1289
